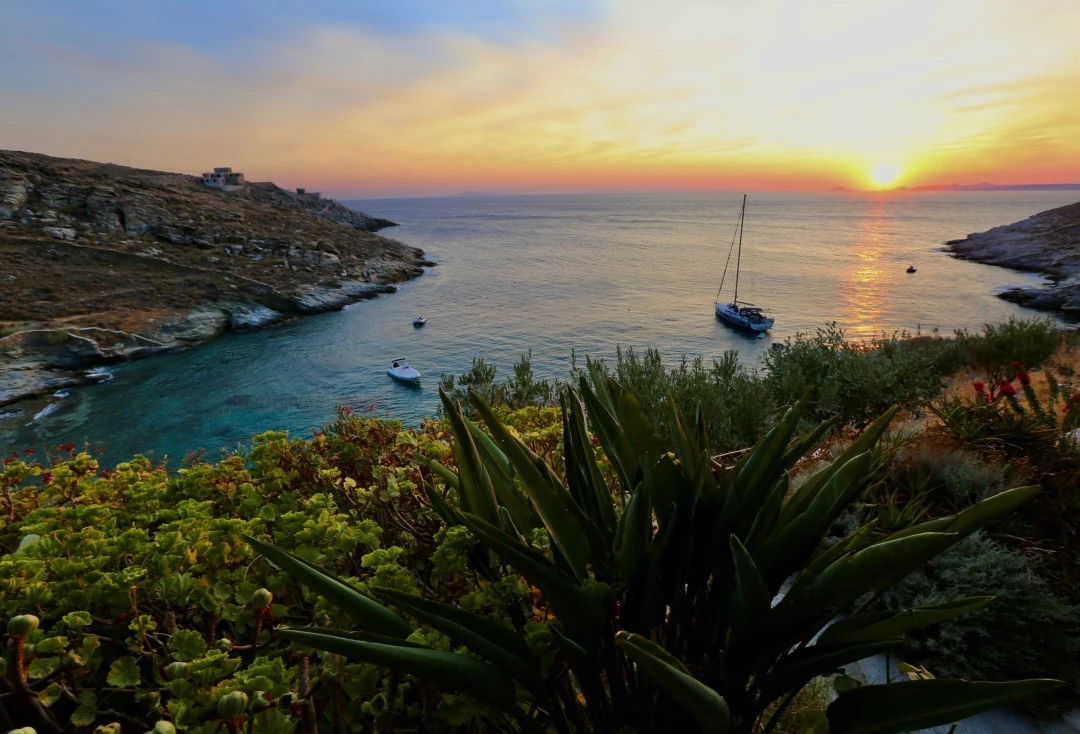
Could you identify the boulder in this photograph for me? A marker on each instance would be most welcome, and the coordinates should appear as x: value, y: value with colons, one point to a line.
x: 61, y: 233
x: 250, y: 316
x: 199, y: 325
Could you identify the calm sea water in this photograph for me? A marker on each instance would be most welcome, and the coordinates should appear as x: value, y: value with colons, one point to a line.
x: 555, y: 274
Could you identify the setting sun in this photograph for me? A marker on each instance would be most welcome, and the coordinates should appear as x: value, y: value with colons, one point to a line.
x: 884, y: 175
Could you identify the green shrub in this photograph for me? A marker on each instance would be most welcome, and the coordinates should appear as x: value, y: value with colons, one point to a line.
x: 998, y: 351
x: 146, y: 595
x: 855, y: 382
x: 519, y: 391
x: 660, y: 586
x: 733, y: 402
x: 1027, y: 630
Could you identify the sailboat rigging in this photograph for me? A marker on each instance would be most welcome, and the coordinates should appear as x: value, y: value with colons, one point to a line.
x: 741, y: 314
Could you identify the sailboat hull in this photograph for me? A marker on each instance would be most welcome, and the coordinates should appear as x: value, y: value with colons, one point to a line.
x: 739, y: 317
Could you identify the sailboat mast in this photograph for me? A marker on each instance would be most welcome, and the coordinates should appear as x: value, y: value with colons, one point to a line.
x: 738, y: 260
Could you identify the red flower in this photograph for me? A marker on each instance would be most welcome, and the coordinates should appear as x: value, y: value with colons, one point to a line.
x: 1017, y: 366
x: 1007, y: 388
x: 69, y: 447
x: 46, y: 477
x: 347, y: 411
x: 979, y: 385
x: 1024, y: 377
x: 595, y: 440
x: 104, y: 474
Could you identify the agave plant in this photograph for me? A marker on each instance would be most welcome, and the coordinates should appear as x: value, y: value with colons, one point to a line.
x: 688, y: 596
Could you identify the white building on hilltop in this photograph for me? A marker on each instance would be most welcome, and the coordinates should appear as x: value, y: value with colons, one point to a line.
x: 223, y: 178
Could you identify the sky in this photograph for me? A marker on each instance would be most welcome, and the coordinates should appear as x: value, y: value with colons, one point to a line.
x: 365, y: 98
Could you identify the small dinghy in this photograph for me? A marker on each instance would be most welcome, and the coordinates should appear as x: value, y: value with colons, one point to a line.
x: 419, y: 321
x: 911, y: 268
x: 400, y: 370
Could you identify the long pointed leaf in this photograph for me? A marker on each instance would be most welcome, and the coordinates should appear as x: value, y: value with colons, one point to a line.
x: 482, y: 681
x: 499, y: 645
x: 365, y: 610
x: 550, y: 500
x: 476, y: 492
x: 879, y: 625
x: 580, y: 612
x: 903, y: 707
x: 707, y: 706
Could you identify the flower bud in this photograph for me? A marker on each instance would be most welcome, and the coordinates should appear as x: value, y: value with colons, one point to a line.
x: 23, y: 625
x: 164, y: 727
x: 379, y: 705
x: 224, y: 644
x: 232, y: 704
x: 261, y: 701
x: 175, y: 671
x: 262, y: 598
x: 112, y: 728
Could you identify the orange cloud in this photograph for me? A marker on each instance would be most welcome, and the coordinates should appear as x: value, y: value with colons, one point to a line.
x: 682, y: 95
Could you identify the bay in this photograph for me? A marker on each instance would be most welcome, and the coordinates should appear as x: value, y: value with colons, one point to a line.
x: 557, y: 275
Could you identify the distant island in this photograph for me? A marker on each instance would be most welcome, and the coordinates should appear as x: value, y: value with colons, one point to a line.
x: 974, y: 187
x: 103, y: 262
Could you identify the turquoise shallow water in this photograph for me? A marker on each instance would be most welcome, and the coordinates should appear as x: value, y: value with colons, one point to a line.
x: 555, y: 274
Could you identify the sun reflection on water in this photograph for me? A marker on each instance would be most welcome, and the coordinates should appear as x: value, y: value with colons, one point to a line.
x: 863, y: 284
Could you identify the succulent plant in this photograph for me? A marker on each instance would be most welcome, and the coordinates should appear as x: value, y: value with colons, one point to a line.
x: 23, y: 626
x: 232, y: 704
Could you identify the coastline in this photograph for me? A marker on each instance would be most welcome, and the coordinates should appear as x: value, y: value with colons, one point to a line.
x: 1047, y: 243
x: 101, y: 264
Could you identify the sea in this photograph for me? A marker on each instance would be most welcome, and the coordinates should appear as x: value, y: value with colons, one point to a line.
x: 564, y: 276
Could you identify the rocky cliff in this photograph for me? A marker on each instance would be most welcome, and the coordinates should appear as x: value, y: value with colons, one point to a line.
x: 1047, y: 243
x: 100, y: 263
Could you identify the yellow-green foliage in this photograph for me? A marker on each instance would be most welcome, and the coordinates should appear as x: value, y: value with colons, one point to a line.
x: 144, y: 587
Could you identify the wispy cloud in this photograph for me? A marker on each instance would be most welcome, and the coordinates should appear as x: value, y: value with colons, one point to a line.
x: 634, y: 93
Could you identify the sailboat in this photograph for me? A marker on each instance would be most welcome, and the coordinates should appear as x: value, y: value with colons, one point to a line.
x: 739, y: 313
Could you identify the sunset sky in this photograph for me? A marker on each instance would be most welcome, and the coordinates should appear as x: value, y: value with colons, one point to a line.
x: 418, y: 97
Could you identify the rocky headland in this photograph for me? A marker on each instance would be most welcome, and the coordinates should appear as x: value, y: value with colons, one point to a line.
x: 100, y: 263
x: 1047, y: 243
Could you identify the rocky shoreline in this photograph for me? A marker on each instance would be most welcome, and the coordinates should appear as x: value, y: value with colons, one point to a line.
x: 1047, y: 243
x: 101, y: 263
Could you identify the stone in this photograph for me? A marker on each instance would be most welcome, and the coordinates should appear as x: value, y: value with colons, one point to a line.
x: 243, y: 316
x: 199, y: 325
x: 61, y: 233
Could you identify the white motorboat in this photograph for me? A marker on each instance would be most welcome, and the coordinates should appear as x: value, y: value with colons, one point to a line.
x: 419, y: 321
x: 739, y: 313
x: 400, y: 370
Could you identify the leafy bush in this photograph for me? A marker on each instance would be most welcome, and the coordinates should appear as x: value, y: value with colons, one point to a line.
x: 519, y: 391
x: 734, y: 403
x: 855, y: 382
x: 660, y: 591
x: 1027, y: 630
x: 148, y: 599
x: 998, y: 350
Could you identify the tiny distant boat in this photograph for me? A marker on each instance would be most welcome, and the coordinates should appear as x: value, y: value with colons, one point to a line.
x: 911, y: 268
x: 419, y: 321
x: 400, y: 370
x: 741, y: 314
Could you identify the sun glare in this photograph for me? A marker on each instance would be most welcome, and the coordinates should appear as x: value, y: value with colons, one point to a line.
x: 884, y: 174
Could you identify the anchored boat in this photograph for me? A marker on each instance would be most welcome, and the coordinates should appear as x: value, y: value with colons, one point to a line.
x: 400, y: 370
x: 739, y: 313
